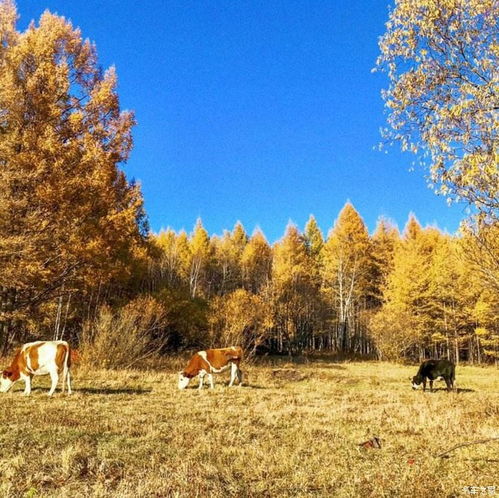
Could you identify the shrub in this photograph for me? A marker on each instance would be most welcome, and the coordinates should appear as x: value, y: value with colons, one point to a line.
x: 120, y: 338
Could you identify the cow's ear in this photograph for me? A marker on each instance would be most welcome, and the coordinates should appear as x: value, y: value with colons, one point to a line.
x: 7, y: 373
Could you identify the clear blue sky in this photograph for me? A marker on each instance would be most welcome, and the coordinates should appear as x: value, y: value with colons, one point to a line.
x: 259, y: 111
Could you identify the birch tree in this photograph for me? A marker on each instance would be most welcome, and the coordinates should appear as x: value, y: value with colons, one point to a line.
x: 442, y: 59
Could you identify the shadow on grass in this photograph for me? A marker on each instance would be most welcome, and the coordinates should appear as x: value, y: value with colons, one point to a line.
x: 459, y: 390
x: 110, y: 390
x: 332, y: 366
x: 224, y: 387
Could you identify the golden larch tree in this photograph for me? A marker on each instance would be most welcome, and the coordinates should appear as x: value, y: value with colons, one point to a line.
x: 345, y: 271
x: 256, y: 263
x: 69, y: 219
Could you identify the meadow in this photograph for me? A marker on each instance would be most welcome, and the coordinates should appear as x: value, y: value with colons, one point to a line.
x: 293, y: 429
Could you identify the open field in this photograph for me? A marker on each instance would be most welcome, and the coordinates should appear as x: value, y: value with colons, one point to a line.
x: 133, y: 434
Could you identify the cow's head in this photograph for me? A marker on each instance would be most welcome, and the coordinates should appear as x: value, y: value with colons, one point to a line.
x: 416, y: 381
x: 183, y: 380
x: 7, y: 380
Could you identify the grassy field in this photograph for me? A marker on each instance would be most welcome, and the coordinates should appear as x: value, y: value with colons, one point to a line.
x: 285, y: 433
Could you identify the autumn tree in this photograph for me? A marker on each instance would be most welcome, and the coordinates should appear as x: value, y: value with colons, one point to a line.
x: 314, y: 240
x: 228, y: 250
x: 170, y: 259
x: 69, y: 219
x: 418, y: 312
x: 294, y: 292
x: 486, y: 316
x: 199, y: 260
x: 256, y: 263
x: 446, y: 307
x: 383, y: 245
x: 241, y: 318
x: 345, y: 271
x: 442, y: 59
x: 480, y: 287
x: 480, y: 243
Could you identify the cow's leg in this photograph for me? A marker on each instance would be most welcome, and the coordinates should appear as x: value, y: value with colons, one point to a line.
x: 27, y: 387
x: 54, y: 377
x: 63, y: 387
x: 448, y: 382
x: 239, y: 377
x: 424, y: 384
x: 68, y: 380
x: 210, y: 378
x: 431, y: 385
x: 201, y: 379
x: 233, y: 373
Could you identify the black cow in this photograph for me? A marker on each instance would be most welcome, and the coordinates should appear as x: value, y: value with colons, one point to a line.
x: 432, y: 369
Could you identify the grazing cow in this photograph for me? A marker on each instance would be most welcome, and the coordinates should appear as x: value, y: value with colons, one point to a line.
x: 431, y: 369
x: 39, y: 358
x: 212, y: 361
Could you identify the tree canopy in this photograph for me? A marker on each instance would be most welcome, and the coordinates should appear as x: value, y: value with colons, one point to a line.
x: 442, y: 59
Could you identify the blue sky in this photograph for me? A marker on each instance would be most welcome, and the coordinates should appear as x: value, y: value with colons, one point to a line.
x: 258, y: 111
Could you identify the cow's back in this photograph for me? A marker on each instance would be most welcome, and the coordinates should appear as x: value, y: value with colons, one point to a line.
x: 220, y: 358
x: 437, y: 367
x: 41, y: 355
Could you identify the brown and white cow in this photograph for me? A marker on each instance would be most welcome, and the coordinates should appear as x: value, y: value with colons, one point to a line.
x: 39, y: 358
x: 212, y: 361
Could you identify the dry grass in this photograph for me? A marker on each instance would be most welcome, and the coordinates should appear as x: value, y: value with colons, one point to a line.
x: 132, y: 434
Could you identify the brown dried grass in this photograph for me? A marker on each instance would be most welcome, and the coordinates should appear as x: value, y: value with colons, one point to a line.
x: 132, y: 434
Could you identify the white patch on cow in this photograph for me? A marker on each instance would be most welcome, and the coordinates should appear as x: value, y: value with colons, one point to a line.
x: 183, y: 381
x: 415, y: 386
x: 219, y: 370
x: 204, y: 355
x: 46, y: 360
x: 5, y: 384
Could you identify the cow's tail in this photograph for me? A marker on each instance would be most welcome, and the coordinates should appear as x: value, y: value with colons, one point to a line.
x: 66, y: 365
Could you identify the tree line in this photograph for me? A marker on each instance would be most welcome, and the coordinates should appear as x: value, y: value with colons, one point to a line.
x: 390, y: 295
